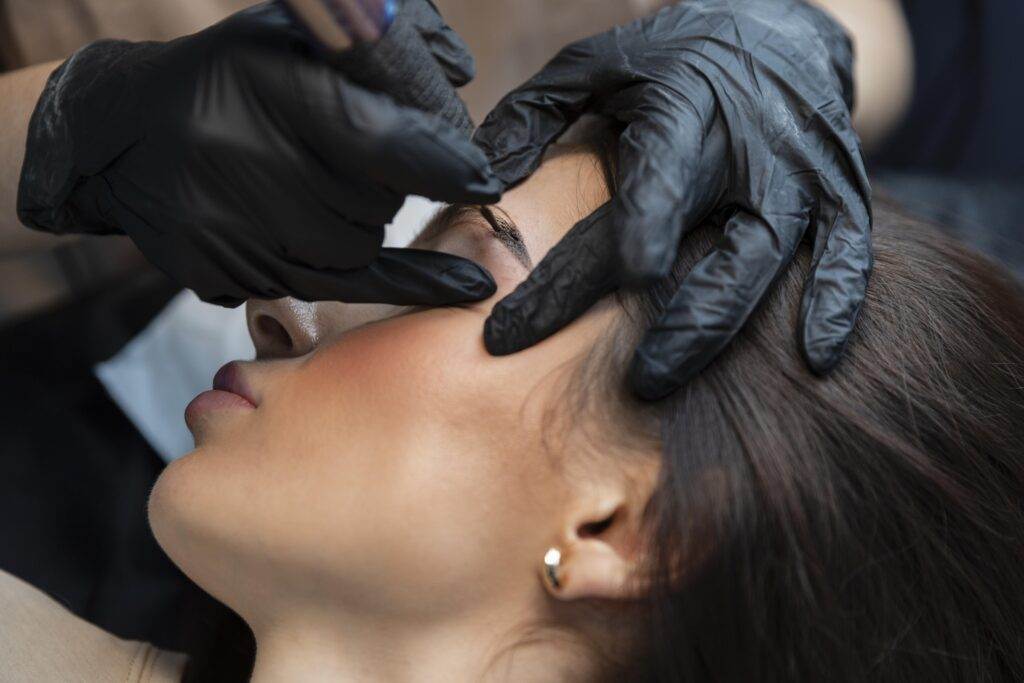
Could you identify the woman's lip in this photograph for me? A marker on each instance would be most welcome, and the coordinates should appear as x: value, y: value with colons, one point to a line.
x: 211, y: 400
x: 230, y: 379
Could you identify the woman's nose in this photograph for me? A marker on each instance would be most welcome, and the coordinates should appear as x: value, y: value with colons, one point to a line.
x: 282, y: 328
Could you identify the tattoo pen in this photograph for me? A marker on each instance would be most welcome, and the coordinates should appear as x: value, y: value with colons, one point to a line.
x: 339, y: 24
x: 374, y: 46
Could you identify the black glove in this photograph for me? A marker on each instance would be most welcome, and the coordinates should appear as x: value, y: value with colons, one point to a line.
x: 243, y: 165
x: 733, y: 108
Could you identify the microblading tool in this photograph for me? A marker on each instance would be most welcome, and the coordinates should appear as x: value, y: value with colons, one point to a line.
x: 380, y: 50
x: 339, y: 24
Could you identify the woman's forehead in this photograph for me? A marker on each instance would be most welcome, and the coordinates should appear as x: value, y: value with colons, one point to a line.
x: 567, y: 187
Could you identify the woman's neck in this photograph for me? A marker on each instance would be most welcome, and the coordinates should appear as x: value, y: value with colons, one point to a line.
x: 310, y: 648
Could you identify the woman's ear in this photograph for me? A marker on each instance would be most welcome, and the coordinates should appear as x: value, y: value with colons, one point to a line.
x: 600, y: 553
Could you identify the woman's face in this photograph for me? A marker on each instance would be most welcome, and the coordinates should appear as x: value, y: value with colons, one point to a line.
x: 387, y: 462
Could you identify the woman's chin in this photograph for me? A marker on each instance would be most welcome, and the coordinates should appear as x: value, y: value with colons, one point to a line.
x: 186, y: 518
x: 163, y: 508
x: 212, y: 408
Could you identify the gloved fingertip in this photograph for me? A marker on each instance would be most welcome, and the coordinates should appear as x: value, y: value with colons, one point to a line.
x: 513, y: 142
x: 825, y: 330
x: 498, y: 339
x: 509, y: 175
x: 643, y: 261
x: 646, y: 250
x: 472, y: 282
x: 447, y: 46
x: 223, y: 300
x: 650, y: 379
x: 485, y: 191
x: 454, y: 57
x: 822, y: 354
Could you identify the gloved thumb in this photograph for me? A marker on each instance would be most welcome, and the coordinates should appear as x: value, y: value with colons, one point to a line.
x: 449, y: 50
x: 402, y: 65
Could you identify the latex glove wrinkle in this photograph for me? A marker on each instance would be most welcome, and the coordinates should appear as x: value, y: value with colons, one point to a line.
x: 244, y: 165
x: 738, y: 109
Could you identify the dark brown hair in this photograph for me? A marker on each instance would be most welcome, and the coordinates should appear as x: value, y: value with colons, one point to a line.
x: 864, y: 526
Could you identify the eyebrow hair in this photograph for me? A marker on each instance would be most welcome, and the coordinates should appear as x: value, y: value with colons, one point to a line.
x: 507, y: 233
x: 503, y: 228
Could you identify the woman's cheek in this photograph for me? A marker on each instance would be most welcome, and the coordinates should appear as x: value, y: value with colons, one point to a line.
x: 508, y: 274
x: 388, y: 376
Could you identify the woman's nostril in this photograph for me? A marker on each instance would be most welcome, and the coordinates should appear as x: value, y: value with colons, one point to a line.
x: 274, y: 333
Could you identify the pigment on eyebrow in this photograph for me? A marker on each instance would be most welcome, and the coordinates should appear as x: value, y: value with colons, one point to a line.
x: 507, y: 232
x: 501, y: 227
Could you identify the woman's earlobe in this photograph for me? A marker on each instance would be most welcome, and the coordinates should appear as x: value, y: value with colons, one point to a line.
x: 599, y: 559
x: 600, y: 551
x: 592, y: 570
x: 552, y: 567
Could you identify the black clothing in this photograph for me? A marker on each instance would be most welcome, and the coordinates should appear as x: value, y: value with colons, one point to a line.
x: 957, y: 158
x: 75, y: 473
x: 965, y: 114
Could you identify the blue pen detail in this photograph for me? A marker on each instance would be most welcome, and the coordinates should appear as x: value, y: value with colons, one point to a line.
x: 360, y: 20
x: 381, y: 12
x: 390, y: 11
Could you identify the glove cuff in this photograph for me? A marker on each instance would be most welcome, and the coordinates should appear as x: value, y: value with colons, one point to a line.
x: 68, y: 134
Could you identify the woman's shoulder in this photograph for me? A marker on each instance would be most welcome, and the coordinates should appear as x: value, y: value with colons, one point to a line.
x: 40, y: 640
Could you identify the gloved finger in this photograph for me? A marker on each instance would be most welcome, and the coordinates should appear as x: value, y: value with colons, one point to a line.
x: 714, y: 301
x: 447, y: 46
x: 324, y: 218
x: 402, y: 65
x: 576, y: 273
x: 835, y: 287
x: 424, y: 156
x: 223, y: 276
x: 404, y: 277
x: 365, y: 134
x: 522, y: 125
x: 663, y: 185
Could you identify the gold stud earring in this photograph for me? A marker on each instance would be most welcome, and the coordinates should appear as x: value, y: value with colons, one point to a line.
x: 552, y: 560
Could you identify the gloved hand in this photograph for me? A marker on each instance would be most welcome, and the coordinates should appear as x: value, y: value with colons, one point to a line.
x: 738, y: 109
x: 243, y: 165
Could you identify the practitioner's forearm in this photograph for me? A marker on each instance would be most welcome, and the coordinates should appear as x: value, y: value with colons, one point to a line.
x: 19, y: 91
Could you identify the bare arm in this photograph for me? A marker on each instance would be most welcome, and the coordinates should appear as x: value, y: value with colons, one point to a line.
x: 884, y: 68
x: 43, y: 641
x: 19, y: 91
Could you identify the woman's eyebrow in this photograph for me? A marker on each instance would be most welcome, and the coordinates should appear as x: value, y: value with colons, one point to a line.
x: 507, y: 233
x: 503, y: 228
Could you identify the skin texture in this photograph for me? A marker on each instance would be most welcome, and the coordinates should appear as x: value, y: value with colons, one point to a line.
x: 384, y: 511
